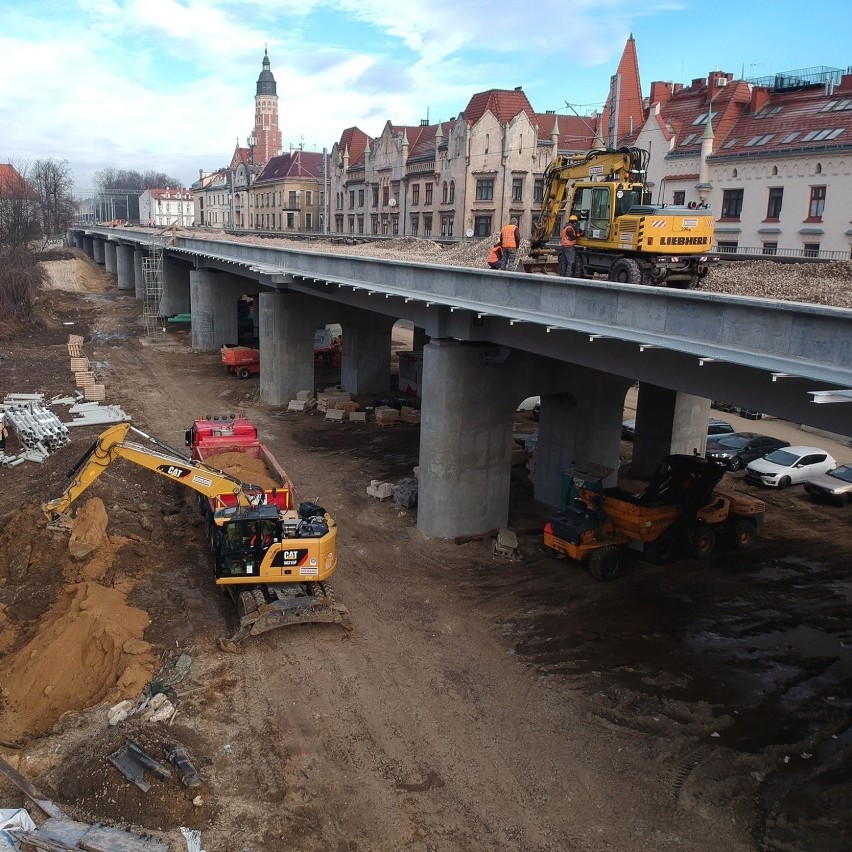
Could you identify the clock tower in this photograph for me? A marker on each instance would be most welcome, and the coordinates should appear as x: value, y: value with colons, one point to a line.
x: 265, y: 141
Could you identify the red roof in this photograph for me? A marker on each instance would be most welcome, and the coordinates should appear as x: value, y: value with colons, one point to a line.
x: 576, y: 133
x: 294, y: 165
x: 356, y: 141
x: 630, y: 112
x: 503, y: 104
x: 170, y: 193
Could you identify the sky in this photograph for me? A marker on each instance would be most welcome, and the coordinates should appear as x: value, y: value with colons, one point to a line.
x: 169, y: 85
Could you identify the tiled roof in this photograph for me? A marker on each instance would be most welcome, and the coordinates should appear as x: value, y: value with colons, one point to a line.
x: 356, y: 140
x: 802, y: 120
x: 504, y: 105
x: 576, y: 133
x: 631, y: 107
x: 170, y: 193
x: 294, y: 165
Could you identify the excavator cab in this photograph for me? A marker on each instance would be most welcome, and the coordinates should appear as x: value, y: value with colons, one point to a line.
x: 241, y: 543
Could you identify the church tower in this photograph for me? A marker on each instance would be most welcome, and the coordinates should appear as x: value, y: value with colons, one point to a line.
x: 265, y: 141
x: 624, y: 112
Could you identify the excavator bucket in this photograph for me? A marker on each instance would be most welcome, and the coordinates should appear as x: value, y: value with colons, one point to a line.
x: 303, y: 603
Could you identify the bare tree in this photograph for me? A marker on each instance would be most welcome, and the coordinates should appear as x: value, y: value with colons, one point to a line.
x: 19, y: 220
x: 124, y: 186
x: 53, y: 184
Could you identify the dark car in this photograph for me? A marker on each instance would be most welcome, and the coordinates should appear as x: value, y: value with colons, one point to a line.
x: 739, y: 448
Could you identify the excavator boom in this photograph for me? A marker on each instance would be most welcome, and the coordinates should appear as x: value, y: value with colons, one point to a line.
x: 112, y: 444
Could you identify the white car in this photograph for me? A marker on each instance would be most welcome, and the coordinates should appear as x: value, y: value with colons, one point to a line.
x: 789, y: 465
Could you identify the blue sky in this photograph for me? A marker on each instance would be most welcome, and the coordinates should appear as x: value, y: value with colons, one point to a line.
x: 169, y: 84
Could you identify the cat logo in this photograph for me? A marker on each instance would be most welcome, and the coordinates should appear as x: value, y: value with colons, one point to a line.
x: 290, y: 557
x: 174, y: 470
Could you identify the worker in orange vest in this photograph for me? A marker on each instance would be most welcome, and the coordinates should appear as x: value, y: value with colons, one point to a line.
x: 568, y: 237
x: 510, y: 239
x: 495, y: 256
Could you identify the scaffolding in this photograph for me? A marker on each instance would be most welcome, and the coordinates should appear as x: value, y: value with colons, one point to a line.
x: 152, y: 277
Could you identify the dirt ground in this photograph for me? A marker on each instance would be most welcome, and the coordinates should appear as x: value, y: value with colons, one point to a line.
x: 479, y: 703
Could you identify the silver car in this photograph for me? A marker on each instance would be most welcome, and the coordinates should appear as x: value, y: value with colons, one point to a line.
x: 834, y: 486
x: 789, y: 465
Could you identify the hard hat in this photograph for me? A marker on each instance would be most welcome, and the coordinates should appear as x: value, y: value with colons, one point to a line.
x: 572, y: 218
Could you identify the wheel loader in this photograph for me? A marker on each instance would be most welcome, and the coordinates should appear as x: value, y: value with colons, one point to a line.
x: 681, y: 513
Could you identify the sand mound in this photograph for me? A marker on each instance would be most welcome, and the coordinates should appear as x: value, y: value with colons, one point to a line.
x: 87, y: 649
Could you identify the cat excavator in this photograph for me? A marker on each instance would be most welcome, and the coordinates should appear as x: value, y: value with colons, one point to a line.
x: 273, y: 560
x: 623, y: 236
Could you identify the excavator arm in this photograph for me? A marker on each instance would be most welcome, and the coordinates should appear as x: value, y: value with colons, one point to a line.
x: 112, y: 444
x: 625, y: 164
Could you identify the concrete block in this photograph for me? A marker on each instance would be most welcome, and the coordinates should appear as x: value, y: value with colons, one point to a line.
x: 380, y: 490
x: 303, y: 395
x: 506, y: 543
x: 358, y: 416
x: 335, y: 414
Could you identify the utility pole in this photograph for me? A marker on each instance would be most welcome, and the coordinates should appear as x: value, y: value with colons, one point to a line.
x: 325, y: 192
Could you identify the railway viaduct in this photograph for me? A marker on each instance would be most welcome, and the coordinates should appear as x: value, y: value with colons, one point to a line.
x: 491, y: 339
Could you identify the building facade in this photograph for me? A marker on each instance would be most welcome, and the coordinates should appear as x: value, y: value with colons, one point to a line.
x: 771, y: 157
x: 288, y: 196
x: 166, y: 207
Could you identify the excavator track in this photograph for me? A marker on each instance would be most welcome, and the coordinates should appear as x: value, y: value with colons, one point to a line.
x: 266, y: 608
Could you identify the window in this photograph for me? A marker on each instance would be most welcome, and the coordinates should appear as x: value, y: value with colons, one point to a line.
x: 427, y: 224
x: 352, y: 224
x: 415, y: 193
x: 385, y: 195
x: 538, y: 190
x: 444, y: 193
x: 730, y: 143
x: 360, y: 198
x: 679, y: 197
x: 291, y: 201
x: 811, y: 250
x: 309, y: 197
x: 351, y: 199
x: 702, y: 119
x: 428, y: 198
x: 485, y: 191
x: 415, y: 222
x: 291, y: 220
x: 375, y: 196
x: 688, y: 139
x: 732, y: 203
x: 819, y: 135
x: 360, y: 224
x: 727, y: 247
x: 395, y: 225
x: 517, y: 189
x: 452, y: 192
x: 309, y: 221
x: 384, y: 226
x: 770, y: 248
x: 756, y: 141
x: 773, y: 209
x: 817, y: 204
x: 482, y: 226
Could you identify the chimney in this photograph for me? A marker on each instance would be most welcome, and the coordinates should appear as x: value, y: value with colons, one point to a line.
x: 661, y: 92
x: 759, y: 98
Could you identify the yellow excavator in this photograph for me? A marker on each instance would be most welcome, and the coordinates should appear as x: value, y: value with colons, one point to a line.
x: 623, y: 236
x: 273, y: 560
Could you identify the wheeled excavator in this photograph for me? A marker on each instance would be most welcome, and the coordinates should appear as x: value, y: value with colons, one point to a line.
x: 624, y: 237
x: 273, y: 560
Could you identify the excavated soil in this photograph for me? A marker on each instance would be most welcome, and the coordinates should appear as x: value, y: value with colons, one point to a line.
x: 479, y: 703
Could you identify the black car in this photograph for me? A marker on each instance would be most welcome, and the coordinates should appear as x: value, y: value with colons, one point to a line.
x: 739, y: 448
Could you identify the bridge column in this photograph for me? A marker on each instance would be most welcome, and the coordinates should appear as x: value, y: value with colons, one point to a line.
x: 213, y: 297
x: 138, y: 274
x: 286, y: 327
x: 124, y: 266
x: 420, y: 339
x: 110, y: 256
x: 465, y: 440
x: 176, y: 298
x: 366, y: 361
x: 98, y: 250
x: 580, y: 427
x: 667, y: 421
x: 88, y: 245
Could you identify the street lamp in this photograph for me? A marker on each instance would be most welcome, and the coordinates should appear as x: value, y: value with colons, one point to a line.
x: 251, y: 142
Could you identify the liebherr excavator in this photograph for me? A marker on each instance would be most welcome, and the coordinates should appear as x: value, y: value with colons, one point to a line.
x: 623, y: 235
x: 273, y: 560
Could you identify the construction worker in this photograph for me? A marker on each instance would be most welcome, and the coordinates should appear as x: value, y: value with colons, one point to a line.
x: 568, y: 237
x: 495, y: 256
x: 510, y: 239
x: 3, y: 432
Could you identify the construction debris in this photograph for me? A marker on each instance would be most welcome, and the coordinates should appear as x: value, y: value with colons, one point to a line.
x: 380, y: 490
x: 506, y: 544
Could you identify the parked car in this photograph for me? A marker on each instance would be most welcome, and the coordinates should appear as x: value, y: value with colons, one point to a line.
x: 739, y: 448
x: 834, y: 486
x: 751, y: 414
x: 714, y: 427
x: 718, y: 427
x: 789, y: 465
x: 721, y: 405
